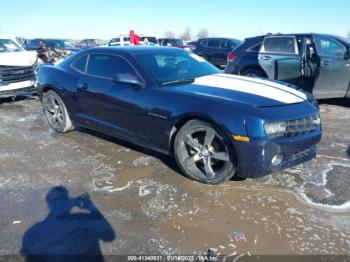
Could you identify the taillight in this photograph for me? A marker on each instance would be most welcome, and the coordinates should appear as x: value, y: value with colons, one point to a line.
x: 231, y: 57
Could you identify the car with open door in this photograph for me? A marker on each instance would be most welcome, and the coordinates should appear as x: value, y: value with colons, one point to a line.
x: 317, y: 63
x: 172, y: 101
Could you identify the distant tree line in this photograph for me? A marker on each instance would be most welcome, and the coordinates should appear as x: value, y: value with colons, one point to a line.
x: 187, y: 35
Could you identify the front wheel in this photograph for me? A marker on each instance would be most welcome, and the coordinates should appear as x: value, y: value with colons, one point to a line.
x: 56, y: 112
x: 203, y: 154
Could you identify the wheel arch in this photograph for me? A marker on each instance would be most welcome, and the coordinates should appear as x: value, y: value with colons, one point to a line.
x: 45, y: 88
x: 253, y: 67
x: 49, y: 87
x: 181, y: 121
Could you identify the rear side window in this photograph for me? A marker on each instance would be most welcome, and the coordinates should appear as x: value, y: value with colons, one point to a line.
x: 227, y: 44
x: 80, y: 64
x: 254, y: 48
x: 214, y: 43
x: 204, y: 43
x: 280, y: 44
x: 108, y: 66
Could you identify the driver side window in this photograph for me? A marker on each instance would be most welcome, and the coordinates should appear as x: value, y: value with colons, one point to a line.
x: 329, y: 47
x: 107, y: 66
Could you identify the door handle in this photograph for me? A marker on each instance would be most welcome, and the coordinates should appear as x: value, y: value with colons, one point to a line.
x: 325, y: 62
x: 266, y: 58
x: 84, y: 86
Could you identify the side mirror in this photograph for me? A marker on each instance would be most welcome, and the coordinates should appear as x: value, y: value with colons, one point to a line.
x: 127, y: 78
x: 342, y: 53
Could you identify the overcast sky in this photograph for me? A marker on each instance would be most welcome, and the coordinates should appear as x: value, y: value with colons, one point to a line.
x: 232, y: 18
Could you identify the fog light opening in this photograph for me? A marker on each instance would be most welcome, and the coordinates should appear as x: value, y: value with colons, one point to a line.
x: 277, y: 159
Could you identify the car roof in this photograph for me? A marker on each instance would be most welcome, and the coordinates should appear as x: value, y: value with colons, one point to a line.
x: 291, y: 34
x: 131, y: 49
x: 170, y: 38
x: 51, y: 39
x: 221, y: 38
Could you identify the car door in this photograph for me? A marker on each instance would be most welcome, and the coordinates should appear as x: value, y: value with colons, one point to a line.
x: 333, y: 76
x: 213, y: 51
x: 109, y: 106
x: 280, y: 59
x: 225, y: 47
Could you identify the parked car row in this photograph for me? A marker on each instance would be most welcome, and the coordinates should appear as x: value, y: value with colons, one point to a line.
x: 316, y: 63
x: 124, y: 40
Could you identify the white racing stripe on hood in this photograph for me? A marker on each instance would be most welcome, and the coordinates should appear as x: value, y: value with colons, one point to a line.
x: 248, y: 87
x: 267, y: 82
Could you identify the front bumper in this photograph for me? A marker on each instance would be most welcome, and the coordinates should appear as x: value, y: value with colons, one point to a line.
x: 254, y: 158
x: 18, y: 89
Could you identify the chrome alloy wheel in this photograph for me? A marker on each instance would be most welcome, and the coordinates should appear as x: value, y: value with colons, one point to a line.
x: 54, y: 112
x: 205, y: 152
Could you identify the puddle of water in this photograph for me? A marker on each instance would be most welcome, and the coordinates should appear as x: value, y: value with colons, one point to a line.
x: 125, y: 178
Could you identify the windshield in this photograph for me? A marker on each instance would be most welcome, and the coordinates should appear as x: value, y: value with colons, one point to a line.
x: 59, y: 44
x: 174, y: 65
x: 7, y: 45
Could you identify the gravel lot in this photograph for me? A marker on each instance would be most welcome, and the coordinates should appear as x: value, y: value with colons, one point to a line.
x: 143, y: 205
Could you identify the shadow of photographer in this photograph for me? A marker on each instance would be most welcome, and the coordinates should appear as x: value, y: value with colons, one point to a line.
x: 70, y: 232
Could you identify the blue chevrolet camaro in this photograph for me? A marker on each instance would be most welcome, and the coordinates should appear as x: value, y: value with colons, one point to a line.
x: 172, y: 101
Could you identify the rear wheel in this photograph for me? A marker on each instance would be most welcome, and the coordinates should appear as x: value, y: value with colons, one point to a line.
x: 203, y: 154
x: 56, y: 112
x: 252, y: 73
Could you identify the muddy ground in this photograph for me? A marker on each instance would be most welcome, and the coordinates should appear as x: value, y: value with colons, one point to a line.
x: 143, y: 205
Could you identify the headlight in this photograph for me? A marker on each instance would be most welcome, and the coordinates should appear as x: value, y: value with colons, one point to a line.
x: 276, y: 129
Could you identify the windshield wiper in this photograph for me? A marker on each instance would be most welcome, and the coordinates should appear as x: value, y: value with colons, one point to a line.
x: 179, y: 81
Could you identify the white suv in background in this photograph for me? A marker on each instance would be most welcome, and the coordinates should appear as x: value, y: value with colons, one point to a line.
x: 17, y: 68
x: 120, y: 41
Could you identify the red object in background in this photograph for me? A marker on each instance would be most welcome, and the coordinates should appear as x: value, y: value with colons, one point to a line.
x: 231, y: 57
x: 134, y: 39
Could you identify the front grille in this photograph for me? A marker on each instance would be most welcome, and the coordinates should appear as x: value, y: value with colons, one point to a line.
x: 13, y: 74
x: 302, y: 126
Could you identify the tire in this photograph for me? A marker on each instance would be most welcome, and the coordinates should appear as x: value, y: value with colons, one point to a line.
x: 203, y: 154
x: 252, y: 73
x: 56, y: 112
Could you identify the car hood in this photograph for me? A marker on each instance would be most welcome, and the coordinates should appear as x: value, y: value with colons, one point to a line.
x: 253, y: 91
x: 22, y: 58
